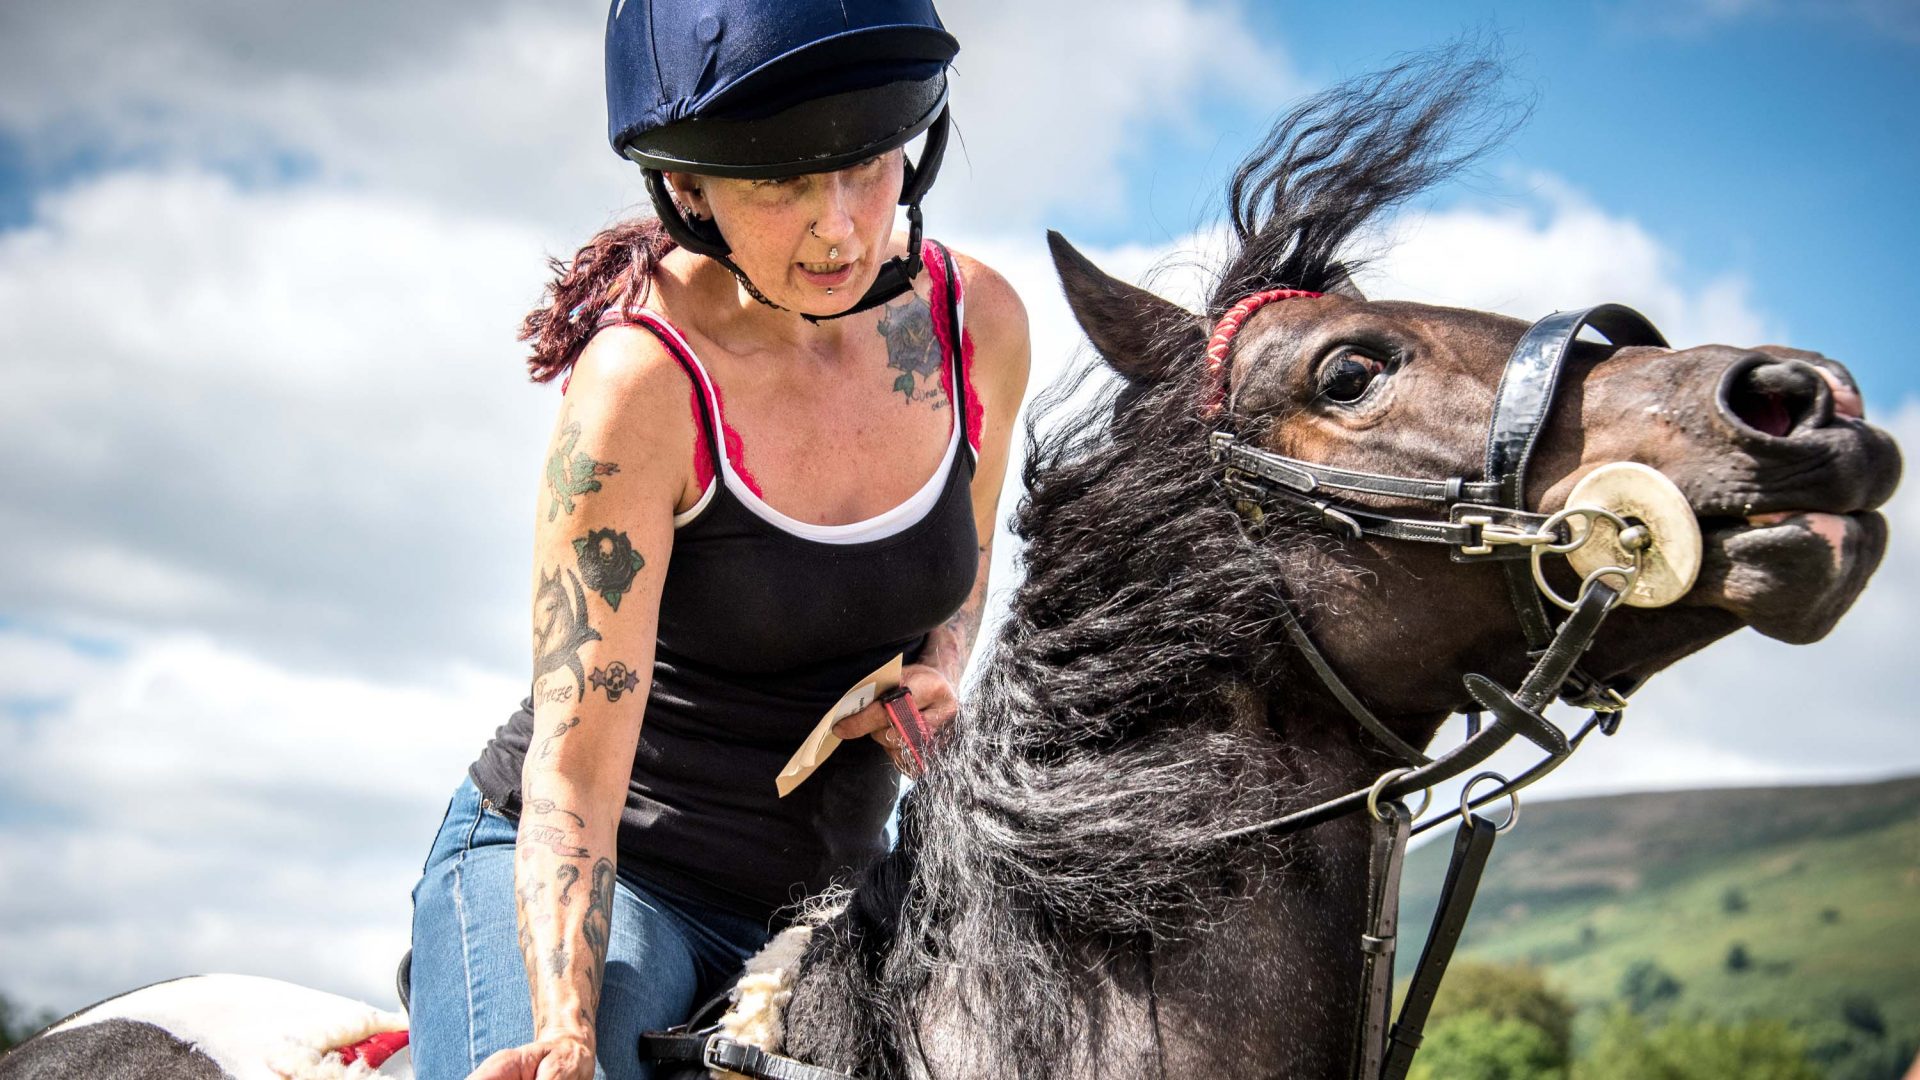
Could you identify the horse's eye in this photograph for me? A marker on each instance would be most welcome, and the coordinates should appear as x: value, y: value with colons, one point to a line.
x: 1347, y: 375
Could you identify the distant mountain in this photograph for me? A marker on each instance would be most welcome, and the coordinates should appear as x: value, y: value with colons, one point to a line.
x: 1801, y: 903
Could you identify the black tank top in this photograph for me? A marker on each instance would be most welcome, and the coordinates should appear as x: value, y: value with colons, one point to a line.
x: 764, y: 623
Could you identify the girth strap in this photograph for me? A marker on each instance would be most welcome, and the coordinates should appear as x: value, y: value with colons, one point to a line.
x: 714, y: 1050
x: 1472, y: 843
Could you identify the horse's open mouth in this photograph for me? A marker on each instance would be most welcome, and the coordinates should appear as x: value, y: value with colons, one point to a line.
x: 1789, y: 574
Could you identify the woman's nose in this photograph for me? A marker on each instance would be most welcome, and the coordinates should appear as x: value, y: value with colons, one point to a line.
x: 833, y: 223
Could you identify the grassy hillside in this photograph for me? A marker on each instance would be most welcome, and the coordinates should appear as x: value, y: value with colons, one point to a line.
x: 1818, y: 886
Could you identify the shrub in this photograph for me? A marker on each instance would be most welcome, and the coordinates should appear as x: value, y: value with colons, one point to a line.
x: 1647, y: 985
x: 1476, y: 1046
x: 1695, y: 1049
x: 1737, y: 958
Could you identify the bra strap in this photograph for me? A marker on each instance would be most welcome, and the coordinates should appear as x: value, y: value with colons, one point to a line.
x: 687, y: 364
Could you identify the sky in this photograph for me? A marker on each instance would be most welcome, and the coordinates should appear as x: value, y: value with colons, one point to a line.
x: 271, y: 457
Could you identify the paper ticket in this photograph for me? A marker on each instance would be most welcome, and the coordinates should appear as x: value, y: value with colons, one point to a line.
x: 822, y: 742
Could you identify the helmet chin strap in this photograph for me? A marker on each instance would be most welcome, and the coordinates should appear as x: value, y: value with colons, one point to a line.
x: 702, y: 236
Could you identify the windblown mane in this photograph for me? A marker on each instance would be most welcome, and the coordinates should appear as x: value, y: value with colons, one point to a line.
x: 1116, y: 728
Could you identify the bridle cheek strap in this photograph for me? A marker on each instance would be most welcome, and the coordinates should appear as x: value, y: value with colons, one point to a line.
x: 1222, y: 340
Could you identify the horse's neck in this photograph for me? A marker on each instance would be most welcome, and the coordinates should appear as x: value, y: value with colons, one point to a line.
x: 1275, y: 988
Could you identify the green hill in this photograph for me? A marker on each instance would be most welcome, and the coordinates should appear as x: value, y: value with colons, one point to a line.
x: 1818, y: 887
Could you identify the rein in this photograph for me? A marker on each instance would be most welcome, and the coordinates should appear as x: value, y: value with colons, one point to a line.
x: 1480, y: 520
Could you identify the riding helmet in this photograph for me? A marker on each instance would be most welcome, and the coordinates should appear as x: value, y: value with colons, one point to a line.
x: 757, y: 89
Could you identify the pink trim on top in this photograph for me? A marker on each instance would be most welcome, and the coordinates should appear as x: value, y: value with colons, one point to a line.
x: 733, y: 445
x: 937, y: 274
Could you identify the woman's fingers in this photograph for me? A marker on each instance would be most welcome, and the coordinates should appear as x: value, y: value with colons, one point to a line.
x: 932, y: 695
x: 549, y: 1059
x: 867, y: 721
x: 512, y: 1063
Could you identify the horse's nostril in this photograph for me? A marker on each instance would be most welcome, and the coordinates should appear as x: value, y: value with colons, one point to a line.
x: 1775, y: 397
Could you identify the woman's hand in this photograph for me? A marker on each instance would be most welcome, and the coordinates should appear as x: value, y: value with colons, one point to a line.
x: 565, y: 1057
x: 933, y: 695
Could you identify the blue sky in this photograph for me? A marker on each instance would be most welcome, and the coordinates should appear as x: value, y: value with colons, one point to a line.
x: 1774, y: 141
x: 271, y: 452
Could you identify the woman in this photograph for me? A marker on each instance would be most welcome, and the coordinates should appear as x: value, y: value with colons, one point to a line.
x: 775, y: 468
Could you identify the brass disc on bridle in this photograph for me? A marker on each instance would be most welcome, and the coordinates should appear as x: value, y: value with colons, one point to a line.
x: 1667, y: 544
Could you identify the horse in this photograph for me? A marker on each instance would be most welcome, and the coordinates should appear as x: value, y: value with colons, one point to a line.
x: 1146, y: 849
x: 1154, y: 843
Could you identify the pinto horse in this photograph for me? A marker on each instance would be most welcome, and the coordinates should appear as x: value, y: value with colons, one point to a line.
x: 1135, y: 856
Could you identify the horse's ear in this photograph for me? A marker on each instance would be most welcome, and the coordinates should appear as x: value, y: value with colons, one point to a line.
x: 1138, y: 333
x: 1340, y: 283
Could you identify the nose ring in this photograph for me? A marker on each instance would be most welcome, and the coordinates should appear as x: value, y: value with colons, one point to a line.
x: 832, y: 252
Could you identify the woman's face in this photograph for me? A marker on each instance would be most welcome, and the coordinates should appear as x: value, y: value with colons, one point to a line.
x: 784, y: 233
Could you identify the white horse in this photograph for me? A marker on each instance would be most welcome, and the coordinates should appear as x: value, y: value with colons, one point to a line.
x: 218, y: 1027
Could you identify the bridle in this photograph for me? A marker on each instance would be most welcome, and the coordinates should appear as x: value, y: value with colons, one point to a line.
x: 1481, y: 520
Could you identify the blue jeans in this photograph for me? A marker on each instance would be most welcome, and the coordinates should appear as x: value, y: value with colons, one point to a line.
x: 666, y: 956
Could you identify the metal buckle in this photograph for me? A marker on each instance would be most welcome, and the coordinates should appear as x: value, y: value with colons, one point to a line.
x: 1504, y: 535
x: 709, y: 1050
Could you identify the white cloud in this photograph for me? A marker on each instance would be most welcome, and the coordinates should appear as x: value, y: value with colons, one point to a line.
x: 1555, y: 250
x: 296, y: 417
x: 1051, y: 99
x: 498, y: 108
x: 196, y: 809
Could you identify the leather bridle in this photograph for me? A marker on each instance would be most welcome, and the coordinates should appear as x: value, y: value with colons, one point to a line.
x: 1481, y: 520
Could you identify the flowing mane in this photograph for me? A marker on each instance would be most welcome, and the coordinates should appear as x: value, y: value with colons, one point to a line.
x: 1115, y: 730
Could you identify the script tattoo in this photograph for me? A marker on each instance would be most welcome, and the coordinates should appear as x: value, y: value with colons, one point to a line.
x: 556, y: 840
x: 912, y: 350
x: 608, y: 563
x: 560, y: 628
x: 546, y: 744
x: 558, y: 693
x: 616, y: 680
x: 548, y: 806
x: 571, y: 472
x: 599, y: 923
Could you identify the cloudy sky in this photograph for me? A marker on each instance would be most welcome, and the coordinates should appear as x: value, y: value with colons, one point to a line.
x: 270, y: 457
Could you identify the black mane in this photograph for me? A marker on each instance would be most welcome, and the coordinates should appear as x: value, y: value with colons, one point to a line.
x: 1119, y: 723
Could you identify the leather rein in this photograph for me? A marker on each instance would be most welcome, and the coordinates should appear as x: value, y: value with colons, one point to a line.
x: 1481, y: 520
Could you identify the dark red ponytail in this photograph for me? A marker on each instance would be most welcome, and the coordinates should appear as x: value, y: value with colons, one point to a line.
x: 616, y: 267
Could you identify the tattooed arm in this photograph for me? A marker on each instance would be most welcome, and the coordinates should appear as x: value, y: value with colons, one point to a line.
x: 998, y: 325
x: 618, y: 466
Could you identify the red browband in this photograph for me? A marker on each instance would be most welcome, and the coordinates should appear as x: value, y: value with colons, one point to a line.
x: 1226, y: 328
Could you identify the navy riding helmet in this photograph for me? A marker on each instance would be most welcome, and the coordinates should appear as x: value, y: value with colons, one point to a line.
x: 757, y: 89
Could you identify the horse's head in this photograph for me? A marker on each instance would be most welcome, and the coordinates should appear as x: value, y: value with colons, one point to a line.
x: 1768, y: 446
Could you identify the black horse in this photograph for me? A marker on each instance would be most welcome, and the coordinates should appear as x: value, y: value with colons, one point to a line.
x: 1079, y: 889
